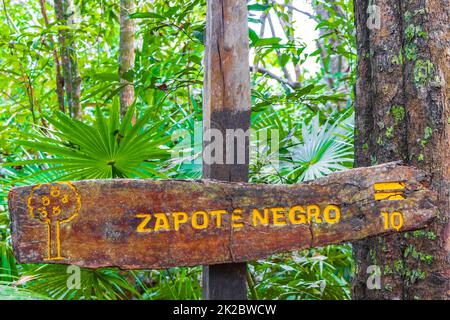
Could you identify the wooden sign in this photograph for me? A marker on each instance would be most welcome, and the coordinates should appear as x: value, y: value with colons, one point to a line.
x: 136, y: 224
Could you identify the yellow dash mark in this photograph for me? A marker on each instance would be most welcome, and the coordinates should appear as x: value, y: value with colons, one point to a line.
x: 389, y: 196
x: 380, y: 186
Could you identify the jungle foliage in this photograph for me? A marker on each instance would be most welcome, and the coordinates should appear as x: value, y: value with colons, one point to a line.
x: 42, y: 139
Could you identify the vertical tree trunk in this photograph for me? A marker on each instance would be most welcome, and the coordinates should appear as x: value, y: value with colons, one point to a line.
x: 287, y: 26
x: 126, y: 55
x: 332, y: 63
x: 278, y: 52
x: 403, y: 113
x: 226, y: 105
x: 336, y: 62
x: 72, y: 81
x: 59, y: 78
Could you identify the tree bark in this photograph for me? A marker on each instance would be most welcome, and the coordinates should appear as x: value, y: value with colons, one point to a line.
x: 72, y: 79
x: 126, y: 55
x: 226, y: 105
x: 403, y: 113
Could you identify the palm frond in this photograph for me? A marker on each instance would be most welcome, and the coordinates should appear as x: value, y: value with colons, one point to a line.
x: 8, y: 292
x: 95, y: 284
x: 323, y: 150
x: 109, y: 148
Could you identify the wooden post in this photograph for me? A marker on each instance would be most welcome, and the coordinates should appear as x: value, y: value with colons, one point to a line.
x: 226, y: 105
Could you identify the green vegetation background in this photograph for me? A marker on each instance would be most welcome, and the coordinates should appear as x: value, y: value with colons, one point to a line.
x: 41, y: 143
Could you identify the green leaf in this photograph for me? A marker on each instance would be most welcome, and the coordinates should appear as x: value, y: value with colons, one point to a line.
x: 258, y: 7
x: 128, y: 75
x: 267, y: 42
x: 108, y: 76
x: 284, y: 59
x: 253, y: 36
x: 145, y: 15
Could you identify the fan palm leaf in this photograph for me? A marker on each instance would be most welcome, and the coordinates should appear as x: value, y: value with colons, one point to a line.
x: 325, y: 149
x: 109, y: 148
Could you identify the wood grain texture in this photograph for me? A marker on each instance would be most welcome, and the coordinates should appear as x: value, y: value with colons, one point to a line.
x: 227, y: 76
x: 226, y: 105
x: 103, y: 233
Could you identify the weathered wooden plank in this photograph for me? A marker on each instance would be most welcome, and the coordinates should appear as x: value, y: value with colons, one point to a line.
x: 136, y: 224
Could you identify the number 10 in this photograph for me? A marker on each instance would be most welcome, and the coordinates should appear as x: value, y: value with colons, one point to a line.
x: 392, y: 220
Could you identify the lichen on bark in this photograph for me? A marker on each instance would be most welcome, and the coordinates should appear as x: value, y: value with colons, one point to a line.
x: 404, y: 82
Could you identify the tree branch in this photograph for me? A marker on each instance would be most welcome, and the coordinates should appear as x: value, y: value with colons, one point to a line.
x: 264, y: 71
x: 272, y: 29
x: 291, y: 7
x: 289, y: 33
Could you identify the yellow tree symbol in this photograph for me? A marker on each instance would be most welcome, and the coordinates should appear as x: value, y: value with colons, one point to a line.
x: 54, y: 204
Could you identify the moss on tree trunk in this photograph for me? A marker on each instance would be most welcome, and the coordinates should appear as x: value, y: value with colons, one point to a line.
x: 402, y: 113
